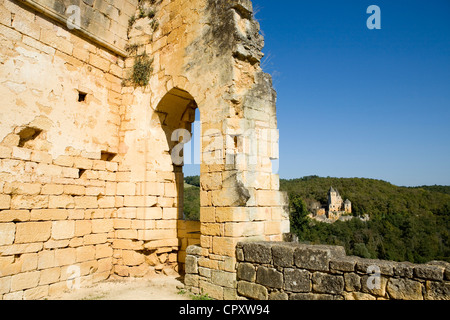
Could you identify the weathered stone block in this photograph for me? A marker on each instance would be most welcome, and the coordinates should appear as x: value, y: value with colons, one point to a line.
x: 443, y: 264
x: 358, y: 296
x: 102, y: 225
x: 97, y: 238
x: 277, y: 295
x: 5, y: 201
x: 65, y: 257
x: 429, y: 272
x: 85, y: 253
x: 61, y: 201
x: 224, y: 246
x: 33, y: 231
x: 258, y: 252
x: 194, y: 250
x: 191, y: 280
x: 212, y: 229
x: 132, y: 258
x: 191, y: 264
x: 25, y: 188
x: 404, y: 269
x: 103, y: 251
x: 403, y: 289
x: 352, y: 282
x: 52, y: 189
x: 21, y: 153
x: 269, y: 277
x: 64, y: 229
x: 327, y: 283
x: 14, y: 215
x: 82, y: 227
x: 231, y: 214
x: 246, y: 271
x: 50, y: 275
x: 283, y: 255
x: 5, y: 284
x: 86, y: 202
x: 346, y: 264
x: 29, y: 202
x: 223, y: 278
x: 296, y: 280
x: 74, y: 190
x: 243, y: 229
x: 315, y: 257
x: 213, y: 290
x: 25, y: 280
x: 375, y: 285
x: 385, y: 267
x: 230, y: 197
x: 437, y: 290
x: 252, y: 290
x: 7, y: 232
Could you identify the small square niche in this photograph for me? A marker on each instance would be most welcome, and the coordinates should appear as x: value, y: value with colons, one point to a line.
x: 82, y: 96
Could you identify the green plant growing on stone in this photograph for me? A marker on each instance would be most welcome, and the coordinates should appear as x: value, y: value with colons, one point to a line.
x: 132, y: 49
x: 203, y: 296
x: 141, y: 71
x: 154, y: 24
x: 131, y: 22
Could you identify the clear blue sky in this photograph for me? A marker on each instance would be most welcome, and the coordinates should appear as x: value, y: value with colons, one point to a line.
x: 354, y: 102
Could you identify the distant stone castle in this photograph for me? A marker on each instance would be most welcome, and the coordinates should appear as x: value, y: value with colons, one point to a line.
x: 335, y: 208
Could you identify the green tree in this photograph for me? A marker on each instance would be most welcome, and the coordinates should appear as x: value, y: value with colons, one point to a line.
x: 299, y: 216
x: 360, y: 250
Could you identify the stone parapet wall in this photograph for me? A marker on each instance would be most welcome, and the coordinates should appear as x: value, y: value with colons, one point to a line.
x: 290, y: 271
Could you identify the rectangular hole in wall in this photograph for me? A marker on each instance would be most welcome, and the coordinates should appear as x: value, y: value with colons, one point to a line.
x: 81, y: 173
x: 82, y: 96
x: 108, y: 156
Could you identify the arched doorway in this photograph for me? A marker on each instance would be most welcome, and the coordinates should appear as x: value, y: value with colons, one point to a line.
x: 174, y: 117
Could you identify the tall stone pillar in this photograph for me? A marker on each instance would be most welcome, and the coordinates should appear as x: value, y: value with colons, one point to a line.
x: 240, y: 197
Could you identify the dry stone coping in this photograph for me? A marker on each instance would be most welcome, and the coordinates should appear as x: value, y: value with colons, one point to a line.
x: 281, y: 270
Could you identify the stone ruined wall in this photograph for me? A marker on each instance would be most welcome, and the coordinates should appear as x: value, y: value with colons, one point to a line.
x: 88, y: 185
x: 43, y: 69
x: 282, y: 271
x: 58, y: 173
x: 204, y: 56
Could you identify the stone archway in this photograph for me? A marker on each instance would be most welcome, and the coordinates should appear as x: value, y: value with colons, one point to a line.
x: 174, y: 116
x: 213, y: 55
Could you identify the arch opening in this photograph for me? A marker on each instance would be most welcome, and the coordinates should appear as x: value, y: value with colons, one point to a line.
x: 175, y: 115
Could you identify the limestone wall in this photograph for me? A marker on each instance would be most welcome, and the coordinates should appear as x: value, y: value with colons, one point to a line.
x: 87, y: 174
x: 55, y: 215
x: 58, y: 178
x: 102, y: 21
x: 44, y: 68
x: 205, y: 56
x: 282, y: 271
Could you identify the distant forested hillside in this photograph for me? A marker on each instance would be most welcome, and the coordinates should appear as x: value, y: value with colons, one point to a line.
x: 407, y: 224
x: 373, y: 197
